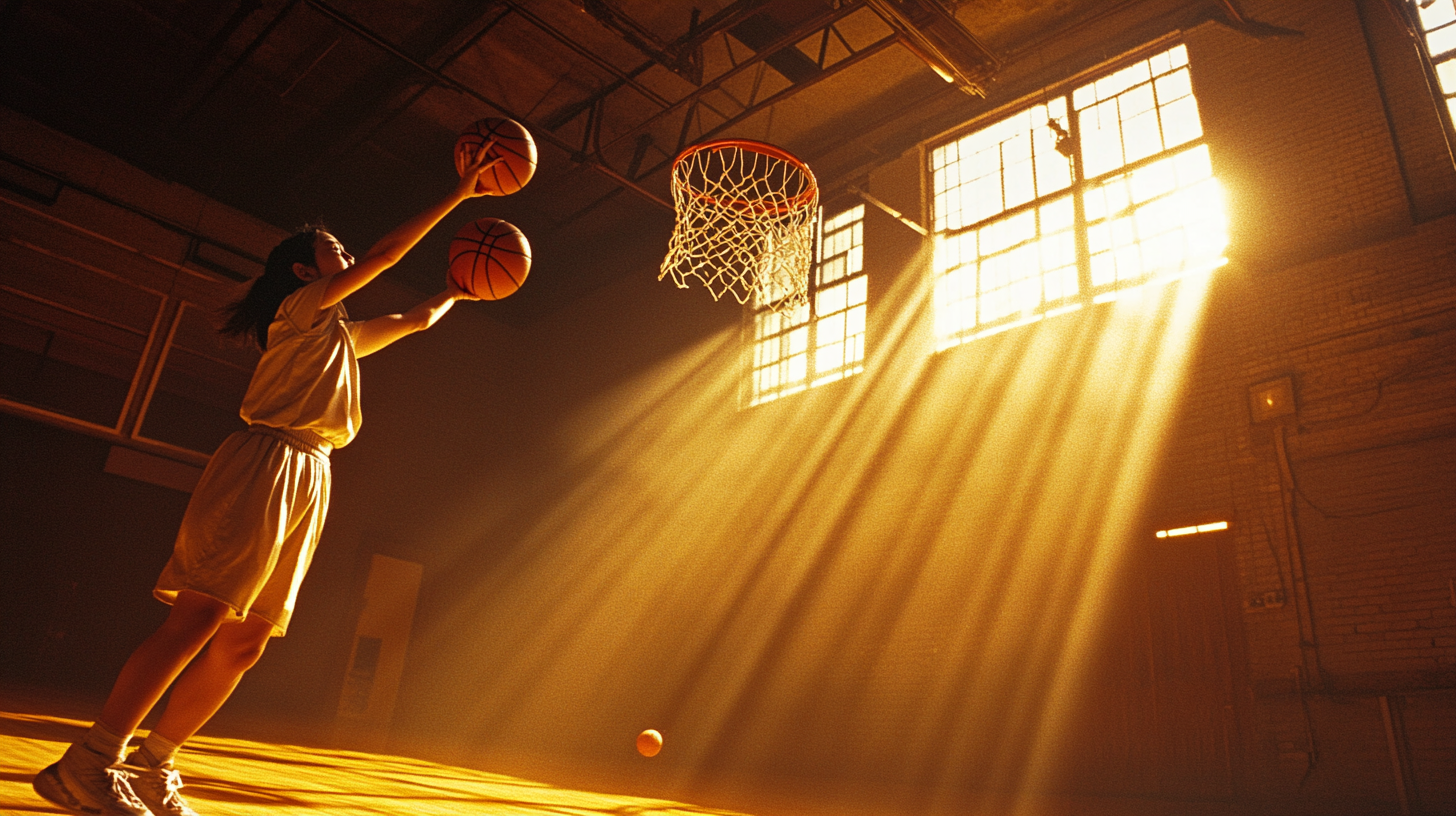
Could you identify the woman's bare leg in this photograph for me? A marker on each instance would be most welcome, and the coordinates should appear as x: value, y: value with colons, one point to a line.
x: 159, y: 659
x: 210, y: 680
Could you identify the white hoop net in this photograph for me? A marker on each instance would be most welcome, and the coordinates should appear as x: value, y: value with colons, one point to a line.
x: 746, y: 215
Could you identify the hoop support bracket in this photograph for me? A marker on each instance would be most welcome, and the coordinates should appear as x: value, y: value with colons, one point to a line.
x: 890, y: 211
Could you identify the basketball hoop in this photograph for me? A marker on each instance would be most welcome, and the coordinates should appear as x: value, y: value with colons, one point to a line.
x: 746, y: 216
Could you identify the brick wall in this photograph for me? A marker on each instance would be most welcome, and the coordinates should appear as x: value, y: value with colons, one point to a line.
x: 1343, y: 510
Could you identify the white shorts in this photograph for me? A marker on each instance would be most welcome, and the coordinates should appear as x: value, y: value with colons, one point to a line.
x: 253, y: 524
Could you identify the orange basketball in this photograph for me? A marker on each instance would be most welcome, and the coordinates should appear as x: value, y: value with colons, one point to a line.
x: 649, y: 742
x: 513, y: 143
x: 489, y: 258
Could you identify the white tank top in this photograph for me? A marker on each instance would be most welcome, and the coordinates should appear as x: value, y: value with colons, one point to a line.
x: 308, y: 378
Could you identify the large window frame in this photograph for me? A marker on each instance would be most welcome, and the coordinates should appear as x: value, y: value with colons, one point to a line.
x: 1099, y: 187
x: 1438, y: 26
x: 823, y: 341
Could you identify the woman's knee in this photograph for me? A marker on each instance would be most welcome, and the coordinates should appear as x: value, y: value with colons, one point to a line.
x: 195, y: 616
x: 242, y: 643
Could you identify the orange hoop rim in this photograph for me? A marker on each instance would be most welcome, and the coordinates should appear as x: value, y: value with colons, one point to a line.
x: 762, y: 148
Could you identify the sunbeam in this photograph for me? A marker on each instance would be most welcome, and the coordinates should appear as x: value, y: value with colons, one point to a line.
x: 903, y: 578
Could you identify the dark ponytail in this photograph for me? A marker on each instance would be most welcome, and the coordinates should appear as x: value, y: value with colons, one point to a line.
x: 249, y: 317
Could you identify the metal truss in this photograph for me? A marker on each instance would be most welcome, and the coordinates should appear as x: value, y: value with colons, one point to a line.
x: 813, y: 51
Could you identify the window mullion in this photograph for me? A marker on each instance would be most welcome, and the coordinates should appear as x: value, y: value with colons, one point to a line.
x: 811, y: 364
x: 1079, y: 208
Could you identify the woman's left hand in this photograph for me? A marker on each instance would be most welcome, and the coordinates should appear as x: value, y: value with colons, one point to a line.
x: 470, y: 185
x: 454, y: 292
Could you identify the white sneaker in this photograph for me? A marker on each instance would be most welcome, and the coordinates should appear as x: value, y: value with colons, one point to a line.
x: 158, y: 786
x: 86, y: 782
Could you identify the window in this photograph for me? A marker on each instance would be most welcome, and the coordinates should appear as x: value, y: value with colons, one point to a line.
x: 1073, y: 200
x: 1438, y: 20
x: 823, y: 341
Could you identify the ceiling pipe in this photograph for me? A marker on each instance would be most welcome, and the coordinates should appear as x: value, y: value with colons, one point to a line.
x: 933, y: 34
x: 635, y: 35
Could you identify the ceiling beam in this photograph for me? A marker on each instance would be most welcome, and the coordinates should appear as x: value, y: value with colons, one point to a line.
x: 932, y: 33
x: 456, y: 85
x: 623, y: 78
x: 823, y: 21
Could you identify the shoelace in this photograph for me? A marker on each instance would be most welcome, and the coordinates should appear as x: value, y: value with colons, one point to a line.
x: 171, y: 779
x: 119, y: 777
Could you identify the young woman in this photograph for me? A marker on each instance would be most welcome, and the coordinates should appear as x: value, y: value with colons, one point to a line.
x: 255, y: 517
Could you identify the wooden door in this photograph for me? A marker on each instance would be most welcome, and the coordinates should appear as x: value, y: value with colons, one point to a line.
x: 1156, y: 716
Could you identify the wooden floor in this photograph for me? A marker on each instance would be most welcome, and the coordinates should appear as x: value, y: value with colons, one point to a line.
x: 237, y: 777
x: 251, y: 768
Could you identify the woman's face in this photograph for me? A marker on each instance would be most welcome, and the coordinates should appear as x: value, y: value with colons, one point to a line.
x: 330, y: 258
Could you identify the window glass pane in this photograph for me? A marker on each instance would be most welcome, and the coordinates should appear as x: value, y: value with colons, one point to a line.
x: 779, y: 352
x: 1181, y: 124
x: 1111, y: 86
x: 832, y: 269
x: 982, y: 199
x: 1141, y: 137
x: 798, y: 340
x: 1136, y: 101
x: 1057, y: 215
x: 797, y: 368
x: 1442, y: 40
x: 1053, y: 170
x: 1174, y: 222
x: 1446, y: 73
x: 831, y: 299
x: 831, y: 330
x: 1173, y: 86
x: 1437, y: 14
x: 1152, y: 181
x: 1083, y: 97
x: 1101, y: 139
x: 1020, y: 183
x: 804, y: 349
x: 1008, y: 268
x: 1161, y: 63
x: 1004, y: 165
x: 829, y: 357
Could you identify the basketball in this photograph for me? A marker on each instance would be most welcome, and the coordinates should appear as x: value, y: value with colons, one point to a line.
x: 649, y: 742
x: 489, y: 258
x: 513, y: 143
